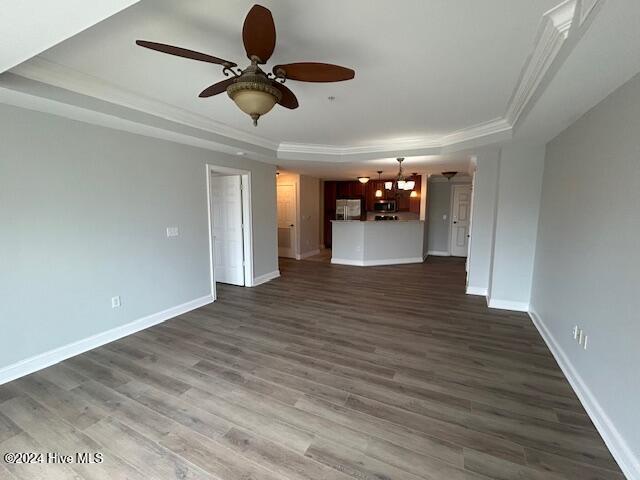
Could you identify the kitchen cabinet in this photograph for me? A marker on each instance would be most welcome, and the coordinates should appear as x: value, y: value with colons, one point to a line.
x: 354, y: 189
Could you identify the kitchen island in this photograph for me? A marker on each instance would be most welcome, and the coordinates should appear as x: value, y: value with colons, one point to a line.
x: 368, y: 243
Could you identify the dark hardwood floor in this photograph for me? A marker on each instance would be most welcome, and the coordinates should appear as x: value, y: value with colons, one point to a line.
x: 330, y: 372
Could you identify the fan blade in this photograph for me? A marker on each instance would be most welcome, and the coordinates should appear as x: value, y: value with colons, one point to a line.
x: 185, y: 53
x: 314, y: 72
x: 288, y: 99
x: 259, y: 33
x: 216, y: 88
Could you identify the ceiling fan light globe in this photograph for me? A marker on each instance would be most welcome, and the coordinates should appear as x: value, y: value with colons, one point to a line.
x: 254, y: 102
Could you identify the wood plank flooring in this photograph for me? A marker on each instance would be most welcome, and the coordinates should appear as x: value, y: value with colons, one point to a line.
x: 330, y: 372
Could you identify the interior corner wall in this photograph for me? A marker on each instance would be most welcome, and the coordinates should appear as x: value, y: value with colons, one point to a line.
x: 484, y: 213
x: 439, y: 208
x: 516, y: 226
x: 309, y: 215
x: 84, y: 211
x: 587, y: 264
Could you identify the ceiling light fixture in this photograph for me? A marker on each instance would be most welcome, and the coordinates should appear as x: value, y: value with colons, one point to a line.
x: 253, y: 90
x: 379, y: 191
x: 363, y: 180
x: 449, y: 175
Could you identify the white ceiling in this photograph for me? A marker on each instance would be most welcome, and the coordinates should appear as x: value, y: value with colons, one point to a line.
x: 435, y: 79
x: 29, y: 27
x: 423, y: 68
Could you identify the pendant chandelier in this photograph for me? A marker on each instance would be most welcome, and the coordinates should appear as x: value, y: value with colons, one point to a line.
x: 401, y: 182
x: 379, y: 191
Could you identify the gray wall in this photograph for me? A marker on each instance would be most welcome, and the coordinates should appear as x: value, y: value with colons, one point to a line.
x: 439, y: 204
x: 587, y: 263
x: 309, y: 214
x: 484, y: 214
x: 84, y: 210
x: 518, y: 205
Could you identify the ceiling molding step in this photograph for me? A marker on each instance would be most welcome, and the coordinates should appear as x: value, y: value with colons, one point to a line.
x: 27, y: 101
x: 552, y: 33
x: 51, y: 73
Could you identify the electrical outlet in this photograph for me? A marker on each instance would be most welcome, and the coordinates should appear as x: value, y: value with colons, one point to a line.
x: 173, y: 232
x: 115, y: 302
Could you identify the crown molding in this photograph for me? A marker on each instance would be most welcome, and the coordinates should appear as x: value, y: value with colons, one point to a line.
x: 45, y: 71
x: 557, y: 25
x: 565, y: 22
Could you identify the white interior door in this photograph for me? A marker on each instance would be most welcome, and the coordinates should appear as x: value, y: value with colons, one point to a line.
x: 287, y: 221
x: 228, y: 242
x: 460, y: 220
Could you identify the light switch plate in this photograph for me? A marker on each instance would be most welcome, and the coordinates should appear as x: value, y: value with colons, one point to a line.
x: 173, y: 232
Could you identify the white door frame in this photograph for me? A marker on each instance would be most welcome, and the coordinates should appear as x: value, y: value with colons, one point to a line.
x: 246, y: 223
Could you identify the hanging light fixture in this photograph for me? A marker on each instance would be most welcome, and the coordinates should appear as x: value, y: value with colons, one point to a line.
x: 401, y: 181
x: 363, y: 180
x: 379, y: 191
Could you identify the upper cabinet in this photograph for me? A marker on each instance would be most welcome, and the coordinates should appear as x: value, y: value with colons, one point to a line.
x: 354, y: 188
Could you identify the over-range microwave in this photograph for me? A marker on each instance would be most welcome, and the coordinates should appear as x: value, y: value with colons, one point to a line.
x: 385, y: 206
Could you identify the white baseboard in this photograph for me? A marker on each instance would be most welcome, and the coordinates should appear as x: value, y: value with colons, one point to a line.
x: 46, y: 359
x: 307, y: 254
x: 477, y: 291
x: 628, y: 462
x: 265, y: 278
x: 438, y: 253
x: 508, y: 305
x: 373, y: 263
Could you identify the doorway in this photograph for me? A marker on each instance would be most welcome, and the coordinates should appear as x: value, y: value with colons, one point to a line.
x: 460, y: 220
x: 287, y: 214
x: 230, y: 239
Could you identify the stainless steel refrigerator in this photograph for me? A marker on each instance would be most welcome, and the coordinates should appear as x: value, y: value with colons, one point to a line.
x: 348, y: 209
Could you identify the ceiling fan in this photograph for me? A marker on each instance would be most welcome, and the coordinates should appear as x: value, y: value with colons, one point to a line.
x: 254, y: 91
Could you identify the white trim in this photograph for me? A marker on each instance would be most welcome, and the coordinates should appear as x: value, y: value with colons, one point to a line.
x: 374, y: 263
x: 438, y: 253
x: 508, y: 305
x: 308, y: 254
x: 482, y: 291
x: 247, y: 223
x: 265, y: 278
x: 617, y: 445
x: 42, y: 70
x: 46, y: 359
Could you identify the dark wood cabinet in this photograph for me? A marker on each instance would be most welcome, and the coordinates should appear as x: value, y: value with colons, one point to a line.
x: 354, y: 189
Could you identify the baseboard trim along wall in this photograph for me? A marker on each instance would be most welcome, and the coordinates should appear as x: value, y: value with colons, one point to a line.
x: 46, y: 359
x: 311, y: 253
x: 438, y: 253
x: 629, y: 463
x: 265, y: 278
x: 477, y: 291
x: 373, y: 263
x: 507, y: 305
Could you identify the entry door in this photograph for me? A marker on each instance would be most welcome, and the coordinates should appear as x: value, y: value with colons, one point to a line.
x: 287, y: 221
x: 460, y: 216
x: 228, y: 245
